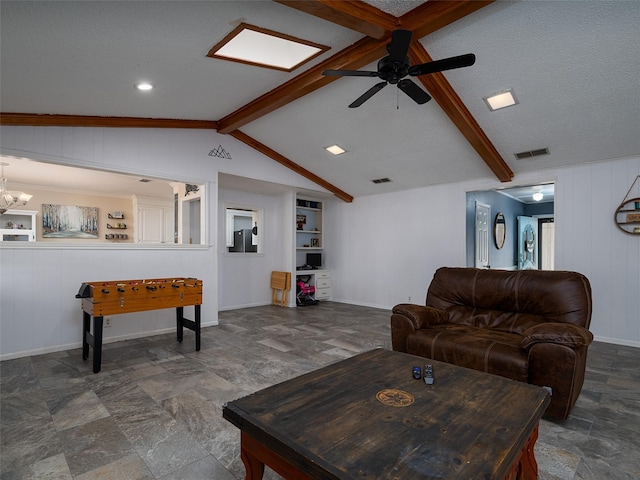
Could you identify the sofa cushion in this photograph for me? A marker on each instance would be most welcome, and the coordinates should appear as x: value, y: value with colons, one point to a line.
x: 481, y: 349
x: 510, y: 301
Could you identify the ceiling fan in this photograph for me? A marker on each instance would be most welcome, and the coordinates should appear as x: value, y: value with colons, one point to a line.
x: 395, y: 66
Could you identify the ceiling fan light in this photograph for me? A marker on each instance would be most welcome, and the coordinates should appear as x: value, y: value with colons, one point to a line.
x: 335, y: 149
x: 501, y: 100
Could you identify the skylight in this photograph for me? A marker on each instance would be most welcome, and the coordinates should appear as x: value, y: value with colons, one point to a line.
x: 265, y: 48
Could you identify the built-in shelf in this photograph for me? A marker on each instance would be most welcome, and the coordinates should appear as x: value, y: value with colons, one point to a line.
x: 18, y: 226
x: 308, y: 225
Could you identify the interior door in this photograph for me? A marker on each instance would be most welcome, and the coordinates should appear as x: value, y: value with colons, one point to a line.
x: 546, y: 228
x: 527, y: 243
x: 482, y: 227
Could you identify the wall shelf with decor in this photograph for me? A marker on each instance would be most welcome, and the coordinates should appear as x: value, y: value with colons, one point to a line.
x: 308, y: 225
x: 627, y: 215
x: 116, y: 215
x: 18, y: 226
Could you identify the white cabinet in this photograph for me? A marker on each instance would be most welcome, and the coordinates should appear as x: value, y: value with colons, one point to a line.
x: 323, y: 285
x: 154, y: 222
x: 320, y: 279
x: 18, y: 226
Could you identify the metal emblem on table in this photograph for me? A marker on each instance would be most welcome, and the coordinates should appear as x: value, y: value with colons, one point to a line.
x: 395, y: 398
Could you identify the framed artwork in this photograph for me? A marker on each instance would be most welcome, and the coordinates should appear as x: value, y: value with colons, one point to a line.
x: 66, y: 221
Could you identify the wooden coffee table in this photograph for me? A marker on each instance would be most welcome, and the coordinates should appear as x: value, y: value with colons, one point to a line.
x: 367, y: 418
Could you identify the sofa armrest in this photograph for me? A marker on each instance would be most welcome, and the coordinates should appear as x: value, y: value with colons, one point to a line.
x: 420, y: 315
x: 572, y: 336
x: 406, y: 318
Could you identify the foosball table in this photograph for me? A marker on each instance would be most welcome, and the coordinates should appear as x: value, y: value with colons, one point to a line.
x: 100, y: 299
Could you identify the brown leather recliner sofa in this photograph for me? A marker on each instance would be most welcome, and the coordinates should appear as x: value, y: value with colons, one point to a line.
x: 528, y: 325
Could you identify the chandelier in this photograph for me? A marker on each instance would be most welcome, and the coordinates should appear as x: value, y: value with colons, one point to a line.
x: 10, y: 198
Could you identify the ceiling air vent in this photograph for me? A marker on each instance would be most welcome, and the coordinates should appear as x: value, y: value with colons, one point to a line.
x: 532, y: 153
x: 381, y: 180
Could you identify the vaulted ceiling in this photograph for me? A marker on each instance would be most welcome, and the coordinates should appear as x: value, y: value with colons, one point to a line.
x: 573, y: 66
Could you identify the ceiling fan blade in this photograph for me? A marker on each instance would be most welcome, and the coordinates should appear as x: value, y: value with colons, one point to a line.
x: 349, y: 73
x: 399, y: 46
x: 368, y: 94
x: 445, y: 64
x: 414, y: 91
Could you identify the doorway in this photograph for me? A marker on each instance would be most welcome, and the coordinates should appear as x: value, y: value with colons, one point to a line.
x: 507, y: 205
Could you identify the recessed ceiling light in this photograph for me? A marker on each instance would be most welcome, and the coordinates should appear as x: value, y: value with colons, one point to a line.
x: 265, y: 48
x: 501, y: 100
x: 144, y: 86
x: 335, y: 149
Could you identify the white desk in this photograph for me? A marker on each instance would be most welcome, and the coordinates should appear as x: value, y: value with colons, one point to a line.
x: 321, y: 279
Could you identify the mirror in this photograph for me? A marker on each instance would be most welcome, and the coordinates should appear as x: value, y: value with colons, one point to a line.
x: 499, y: 230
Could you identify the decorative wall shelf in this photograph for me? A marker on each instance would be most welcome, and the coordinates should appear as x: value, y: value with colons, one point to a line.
x: 627, y: 215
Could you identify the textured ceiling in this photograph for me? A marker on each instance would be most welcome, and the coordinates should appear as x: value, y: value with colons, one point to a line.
x: 573, y: 66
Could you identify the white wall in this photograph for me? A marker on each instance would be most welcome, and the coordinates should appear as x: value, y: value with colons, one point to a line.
x: 38, y: 309
x: 388, y: 246
x: 381, y: 249
x: 244, y: 278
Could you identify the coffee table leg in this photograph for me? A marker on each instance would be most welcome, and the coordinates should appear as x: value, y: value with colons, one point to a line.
x: 528, y: 466
x: 253, y: 466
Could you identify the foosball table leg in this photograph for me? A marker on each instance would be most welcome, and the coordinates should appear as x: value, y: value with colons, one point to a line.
x: 179, y: 324
x: 194, y: 325
x: 197, y: 327
x: 97, y: 343
x: 86, y: 333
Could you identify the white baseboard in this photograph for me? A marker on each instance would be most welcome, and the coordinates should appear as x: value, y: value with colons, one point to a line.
x: 237, y: 307
x: 105, y: 340
x: 617, y: 341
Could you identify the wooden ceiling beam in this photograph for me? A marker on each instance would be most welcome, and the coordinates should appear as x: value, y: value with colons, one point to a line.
x: 48, y: 120
x: 262, y: 148
x: 355, y: 15
x: 359, y: 16
x: 443, y: 93
x: 356, y: 56
x: 434, y: 15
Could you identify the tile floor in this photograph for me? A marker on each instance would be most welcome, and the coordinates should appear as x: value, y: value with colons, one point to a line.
x: 154, y: 411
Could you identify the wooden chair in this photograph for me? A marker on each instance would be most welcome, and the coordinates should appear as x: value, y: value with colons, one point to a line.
x: 280, y: 286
